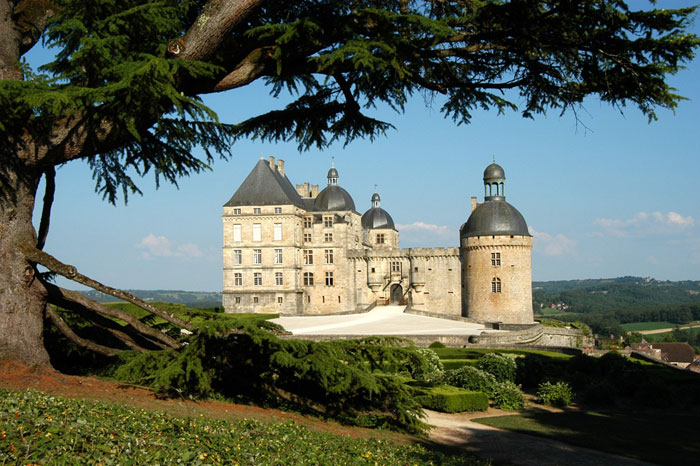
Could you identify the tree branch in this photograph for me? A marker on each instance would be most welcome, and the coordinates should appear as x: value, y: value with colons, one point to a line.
x: 246, y: 71
x: 31, y: 17
x: 50, y: 177
x: 70, y: 272
x: 62, y: 297
x: 72, y: 336
x: 218, y: 18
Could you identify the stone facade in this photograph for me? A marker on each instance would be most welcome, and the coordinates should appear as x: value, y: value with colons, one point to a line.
x: 295, y: 250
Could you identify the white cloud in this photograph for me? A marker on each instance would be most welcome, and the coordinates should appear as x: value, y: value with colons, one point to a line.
x: 420, y: 226
x: 557, y: 245
x: 646, y: 223
x: 420, y: 234
x: 160, y: 246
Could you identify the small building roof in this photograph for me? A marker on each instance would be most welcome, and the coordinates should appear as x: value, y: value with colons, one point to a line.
x: 495, y: 217
x: 675, y: 352
x: 265, y: 185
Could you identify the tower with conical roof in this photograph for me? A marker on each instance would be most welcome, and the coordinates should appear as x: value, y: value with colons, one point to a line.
x: 496, y: 254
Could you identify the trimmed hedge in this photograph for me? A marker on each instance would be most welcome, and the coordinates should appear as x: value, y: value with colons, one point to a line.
x: 450, y: 399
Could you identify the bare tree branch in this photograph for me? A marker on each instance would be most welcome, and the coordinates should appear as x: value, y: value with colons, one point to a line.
x: 70, y: 272
x: 62, y: 297
x: 72, y: 336
x: 50, y: 177
x: 218, y: 18
x: 31, y: 17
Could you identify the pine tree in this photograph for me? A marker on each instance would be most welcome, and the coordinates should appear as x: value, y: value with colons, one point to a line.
x: 123, y: 96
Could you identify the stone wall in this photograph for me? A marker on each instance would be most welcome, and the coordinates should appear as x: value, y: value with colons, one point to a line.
x: 506, y: 259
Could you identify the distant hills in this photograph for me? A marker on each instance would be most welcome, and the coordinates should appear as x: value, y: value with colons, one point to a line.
x: 600, y: 295
x: 189, y: 298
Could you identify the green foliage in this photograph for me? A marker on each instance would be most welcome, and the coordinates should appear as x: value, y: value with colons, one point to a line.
x: 508, y: 396
x: 433, y: 368
x: 436, y: 344
x: 341, y: 379
x: 500, y: 366
x: 471, y: 378
x: 555, y: 394
x: 43, y: 429
x: 448, y: 399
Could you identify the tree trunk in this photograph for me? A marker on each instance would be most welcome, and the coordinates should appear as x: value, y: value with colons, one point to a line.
x: 22, y: 295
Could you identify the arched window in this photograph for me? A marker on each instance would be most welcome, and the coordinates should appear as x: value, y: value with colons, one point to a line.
x: 496, y: 285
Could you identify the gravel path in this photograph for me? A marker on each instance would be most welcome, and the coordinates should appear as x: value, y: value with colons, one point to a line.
x: 510, y: 448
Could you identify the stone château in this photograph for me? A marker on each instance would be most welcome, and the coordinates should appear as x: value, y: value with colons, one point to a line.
x: 301, y: 251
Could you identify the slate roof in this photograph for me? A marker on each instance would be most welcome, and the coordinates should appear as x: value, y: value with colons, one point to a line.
x: 376, y: 217
x: 265, y: 186
x: 495, y: 217
x: 333, y: 197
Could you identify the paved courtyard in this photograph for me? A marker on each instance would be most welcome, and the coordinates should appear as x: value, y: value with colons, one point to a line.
x: 382, y: 320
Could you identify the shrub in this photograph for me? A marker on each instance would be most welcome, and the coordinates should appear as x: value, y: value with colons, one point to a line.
x: 436, y: 344
x: 502, y: 367
x: 508, y: 396
x: 555, y: 394
x: 451, y: 399
x: 433, y: 369
x: 601, y: 392
x: 470, y: 378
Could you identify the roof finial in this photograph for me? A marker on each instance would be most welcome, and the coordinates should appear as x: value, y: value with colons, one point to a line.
x: 332, y: 161
x: 494, y: 158
x: 262, y: 157
x: 375, y: 188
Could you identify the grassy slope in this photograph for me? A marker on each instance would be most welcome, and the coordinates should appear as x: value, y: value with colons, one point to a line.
x: 41, y: 428
x: 655, y: 436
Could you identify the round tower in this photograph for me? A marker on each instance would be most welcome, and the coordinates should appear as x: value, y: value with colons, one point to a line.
x: 496, y: 253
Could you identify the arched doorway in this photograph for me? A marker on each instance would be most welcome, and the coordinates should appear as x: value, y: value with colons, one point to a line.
x: 396, y: 294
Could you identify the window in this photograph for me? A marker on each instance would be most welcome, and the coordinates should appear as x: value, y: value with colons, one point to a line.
x: 496, y: 285
x: 278, y: 210
x: 329, y: 256
x: 278, y: 279
x: 380, y: 238
x: 277, y: 232
x: 308, y: 257
x: 257, y: 279
x: 396, y: 266
x: 307, y: 237
x: 257, y: 256
x: 308, y: 278
x: 279, y: 300
x: 255, y: 300
x: 329, y: 278
x: 308, y: 222
x: 236, y: 233
x: 278, y: 256
x: 238, y: 279
x: 237, y: 257
x: 328, y: 237
x: 236, y: 211
x: 257, y: 232
x: 338, y: 298
x: 328, y: 222
x: 256, y: 210
x: 308, y: 299
x: 496, y: 259
x: 238, y: 300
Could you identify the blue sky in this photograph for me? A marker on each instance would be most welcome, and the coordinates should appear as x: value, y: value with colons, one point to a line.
x: 605, y: 196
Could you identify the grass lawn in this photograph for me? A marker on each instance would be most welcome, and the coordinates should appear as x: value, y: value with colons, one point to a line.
x: 637, y: 326
x: 655, y: 436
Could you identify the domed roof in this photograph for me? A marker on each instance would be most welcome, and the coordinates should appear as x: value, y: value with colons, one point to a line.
x: 375, y: 198
x: 494, y: 217
x: 376, y: 217
x: 333, y: 197
x: 332, y: 173
x: 494, y: 172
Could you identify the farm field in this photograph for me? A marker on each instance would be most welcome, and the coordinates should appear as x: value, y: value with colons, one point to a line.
x: 637, y: 326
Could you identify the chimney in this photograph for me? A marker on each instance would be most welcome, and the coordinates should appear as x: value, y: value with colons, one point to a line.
x: 280, y: 166
x: 303, y: 189
x: 314, y: 190
x: 474, y: 204
x: 272, y: 162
